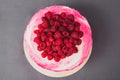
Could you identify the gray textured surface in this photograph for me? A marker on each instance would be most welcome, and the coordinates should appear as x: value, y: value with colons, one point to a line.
x: 104, y: 18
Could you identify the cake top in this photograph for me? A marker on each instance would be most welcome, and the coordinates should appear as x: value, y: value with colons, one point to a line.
x: 69, y: 54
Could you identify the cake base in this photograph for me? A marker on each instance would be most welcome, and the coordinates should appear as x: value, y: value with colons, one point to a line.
x: 53, y: 73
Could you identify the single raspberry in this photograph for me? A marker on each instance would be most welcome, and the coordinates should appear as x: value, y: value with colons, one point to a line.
x: 45, y: 24
x: 58, y: 48
x: 70, y: 27
x: 77, y: 28
x: 80, y: 34
x: 42, y: 45
x: 64, y: 49
x: 56, y: 17
x: 53, y: 47
x: 60, y: 52
x: 69, y: 45
x: 61, y: 28
x: 47, y: 49
x: 53, y: 28
x: 74, y: 49
x: 48, y: 15
x: 40, y: 28
x: 54, y: 54
x: 50, y: 52
x: 66, y: 41
x: 57, y: 58
x: 43, y: 38
x: 64, y: 23
x: 69, y: 53
x: 70, y: 17
x: 49, y: 33
x: 44, y: 19
x: 58, y: 41
x: 71, y: 39
x: 50, y: 57
x: 57, y: 34
x: 48, y: 43
x: 39, y: 48
x: 77, y: 41
x: 46, y: 30
x: 75, y: 34
x: 62, y: 56
x: 68, y: 21
x: 44, y: 54
x: 36, y: 31
x: 65, y: 33
x: 37, y: 40
x: 56, y: 23
x: 51, y: 39
x: 63, y: 15
x: 51, y: 22
x: 76, y: 24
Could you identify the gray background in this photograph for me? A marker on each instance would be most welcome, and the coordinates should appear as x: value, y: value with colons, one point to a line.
x: 104, y: 18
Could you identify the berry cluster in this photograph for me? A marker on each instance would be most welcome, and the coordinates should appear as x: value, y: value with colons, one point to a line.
x: 58, y: 35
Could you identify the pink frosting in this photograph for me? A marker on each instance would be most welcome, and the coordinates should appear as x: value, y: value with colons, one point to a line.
x: 67, y: 63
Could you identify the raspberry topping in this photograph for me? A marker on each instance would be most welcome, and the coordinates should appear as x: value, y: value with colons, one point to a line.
x: 58, y: 35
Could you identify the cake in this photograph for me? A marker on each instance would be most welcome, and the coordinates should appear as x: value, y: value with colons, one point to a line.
x: 74, y: 58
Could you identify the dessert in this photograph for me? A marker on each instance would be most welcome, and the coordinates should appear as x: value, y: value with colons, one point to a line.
x: 58, y: 41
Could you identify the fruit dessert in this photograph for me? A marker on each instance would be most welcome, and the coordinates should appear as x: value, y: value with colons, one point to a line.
x: 58, y: 41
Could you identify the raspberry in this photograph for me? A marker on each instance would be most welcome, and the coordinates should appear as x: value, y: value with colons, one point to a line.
x: 64, y: 49
x: 57, y: 58
x: 36, y: 32
x: 80, y: 34
x: 56, y: 23
x: 48, y: 15
x: 77, y: 41
x: 42, y: 45
x: 71, y: 39
x: 45, y: 24
x: 51, y: 39
x: 44, y: 19
x: 39, y: 48
x: 40, y: 28
x: 63, y: 15
x: 70, y: 27
x: 57, y: 48
x: 74, y: 49
x: 69, y: 45
x: 77, y: 28
x: 69, y: 53
x: 66, y: 41
x: 47, y: 49
x: 65, y: 33
x: 53, y: 28
x: 75, y: 34
x: 70, y: 17
x: 50, y: 57
x: 61, y: 28
x: 44, y: 54
x: 76, y: 24
x: 48, y: 43
x: 57, y: 34
x: 58, y: 41
x: 49, y: 33
x: 37, y: 40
